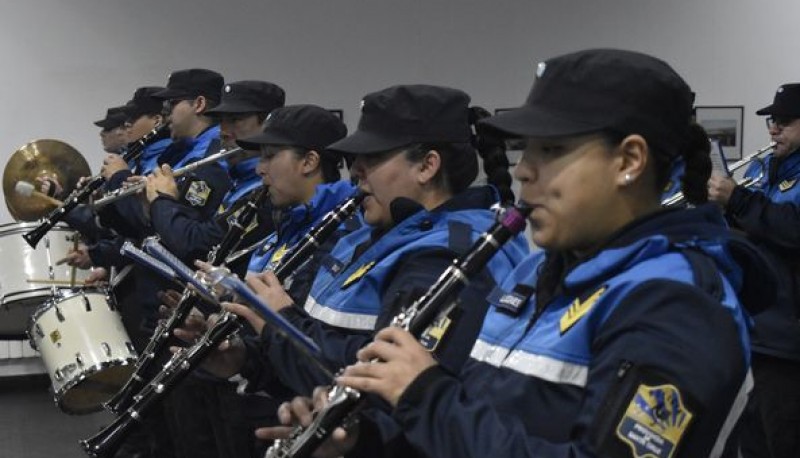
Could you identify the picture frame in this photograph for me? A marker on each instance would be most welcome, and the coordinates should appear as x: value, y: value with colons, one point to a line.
x: 338, y: 112
x: 724, y: 124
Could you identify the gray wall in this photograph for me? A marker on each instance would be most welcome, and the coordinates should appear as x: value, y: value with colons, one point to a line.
x: 66, y: 61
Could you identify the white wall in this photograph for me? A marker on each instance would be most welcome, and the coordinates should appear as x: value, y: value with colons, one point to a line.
x: 67, y: 61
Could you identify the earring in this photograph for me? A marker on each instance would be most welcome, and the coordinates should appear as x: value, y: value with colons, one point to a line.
x: 628, y: 178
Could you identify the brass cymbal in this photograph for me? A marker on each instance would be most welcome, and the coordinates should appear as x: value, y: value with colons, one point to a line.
x: 40, y: 158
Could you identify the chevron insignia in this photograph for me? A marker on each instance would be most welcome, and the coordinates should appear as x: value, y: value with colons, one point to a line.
x: 578, y: 309
x: 786, y: 185
x: 360, y: 272
x: 277, y: 255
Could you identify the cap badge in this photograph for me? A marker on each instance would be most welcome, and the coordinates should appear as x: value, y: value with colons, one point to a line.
x: 228, y: 88
x: 780, y: 89
x: 540, y: 69
x: 361, y: 105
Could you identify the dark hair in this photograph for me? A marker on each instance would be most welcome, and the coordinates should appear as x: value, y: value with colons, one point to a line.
x: 329, y: 163
x: 695, y: 153
x: 492, y: 149
x: 460, y: 161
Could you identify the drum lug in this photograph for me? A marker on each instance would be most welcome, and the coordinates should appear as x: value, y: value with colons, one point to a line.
x: 58, y: 375
x: 39, y: 331
x: 59, y: 315
x: 106, y: 349
x: 87, y: 304
x: 79, y: 359
x: 131, y: 348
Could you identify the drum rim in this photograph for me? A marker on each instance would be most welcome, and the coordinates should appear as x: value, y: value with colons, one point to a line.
x: 83, y: 375
x: 64, y: 294
x: 23, y: 226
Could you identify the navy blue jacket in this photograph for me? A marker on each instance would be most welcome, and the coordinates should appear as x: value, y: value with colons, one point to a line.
x: 769, y: 213
x: 642, y: 342
x: 403, y: 263
x: 185, y: 224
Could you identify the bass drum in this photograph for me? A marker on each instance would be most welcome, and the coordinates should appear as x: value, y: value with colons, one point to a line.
x: 84, y: 347
x: 31, y: 275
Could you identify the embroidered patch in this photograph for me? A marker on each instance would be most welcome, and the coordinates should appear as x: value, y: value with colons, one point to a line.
x: 197, y: 194
x: 360, y: 272
x: 786, y: 185
x: 654, y: 421
x: 578, y: 309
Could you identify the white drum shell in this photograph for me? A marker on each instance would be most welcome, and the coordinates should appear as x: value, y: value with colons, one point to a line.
x: 84, y: 347
x: 20, y: 293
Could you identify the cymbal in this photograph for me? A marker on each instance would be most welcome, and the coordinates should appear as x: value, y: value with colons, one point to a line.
x: 40, y: 158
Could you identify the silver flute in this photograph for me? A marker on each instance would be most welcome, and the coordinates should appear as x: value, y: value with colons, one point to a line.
x: 125, y: 191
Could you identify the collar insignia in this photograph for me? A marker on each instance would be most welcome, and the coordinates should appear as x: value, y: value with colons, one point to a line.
x: 277, y: 255
x: 578, y: 309
x: 360, y: 272
x: 786, y: 185
x: 654, y: 422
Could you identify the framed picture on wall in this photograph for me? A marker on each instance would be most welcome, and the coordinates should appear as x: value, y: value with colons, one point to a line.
x: 339, y: 113
x: 725, y: 125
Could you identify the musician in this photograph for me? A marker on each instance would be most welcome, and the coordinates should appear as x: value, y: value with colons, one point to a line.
x: 769, y: 212
x: 100, y: 247
x: 113, y: 133
x: 145, y: 113
x: 241, y: 113
x: 624, y: 337
x: 210, y: 406
x: 304, y: 182
x: 414, y: 157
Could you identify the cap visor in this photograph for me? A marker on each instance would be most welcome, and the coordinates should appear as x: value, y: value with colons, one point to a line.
x: 265, y: 138
x: 766, y: 110
x: 362, y: 142
x: 232, y: 107
x: 167, y: 94
x: 535, y: 121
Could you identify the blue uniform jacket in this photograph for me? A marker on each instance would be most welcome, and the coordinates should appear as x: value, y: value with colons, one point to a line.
x: 294, y: 225
x: 639, y: 348
x: 244, y: 180
x: 183, y: 223
x: 149, y: 158
x: 769, y: 213
x: 369, y: 277
x: 105, y: 249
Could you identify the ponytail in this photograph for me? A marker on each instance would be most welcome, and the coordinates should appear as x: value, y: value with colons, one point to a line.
x: 696, y: 155
x: 492, y: 150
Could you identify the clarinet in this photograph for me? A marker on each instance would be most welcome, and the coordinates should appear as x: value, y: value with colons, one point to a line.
x: 105, y: 443
x: 82, y: 194
x: 345, y: 402
x: 163, y: 333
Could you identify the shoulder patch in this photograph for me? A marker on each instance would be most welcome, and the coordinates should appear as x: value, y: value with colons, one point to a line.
x: 356, y: 276
x: 578, y: 309
x: 786, y: 185
x: 654, y: 422
x: 197, y: 194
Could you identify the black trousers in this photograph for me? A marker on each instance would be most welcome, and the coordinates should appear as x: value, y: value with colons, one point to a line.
x: 770, y: 426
